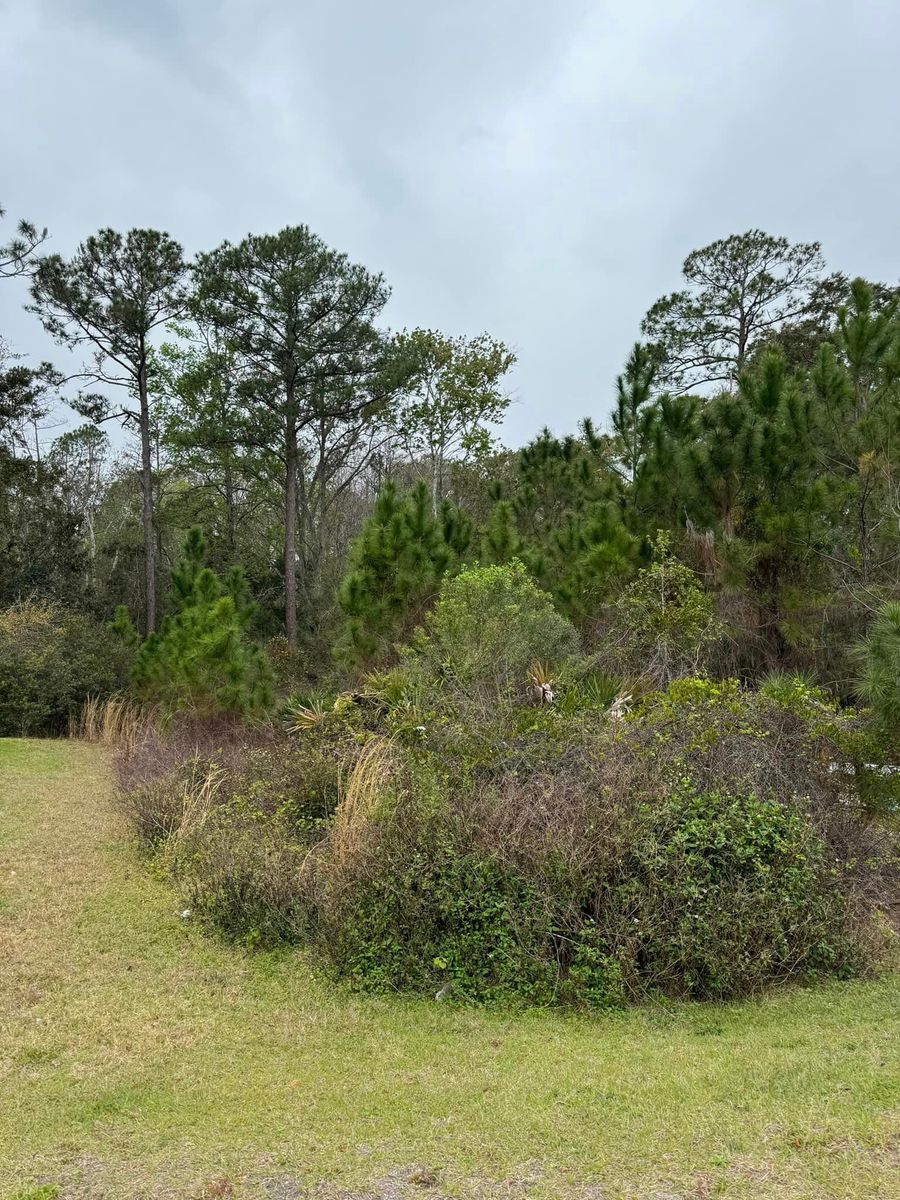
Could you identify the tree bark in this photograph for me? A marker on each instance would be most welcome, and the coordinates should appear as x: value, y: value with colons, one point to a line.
x: 290, y: 527
x: 147, y: 505
x: 230, y: 522
x: 436, y: 483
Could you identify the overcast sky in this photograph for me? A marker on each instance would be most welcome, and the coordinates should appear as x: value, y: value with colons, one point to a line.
x: 537, y: 170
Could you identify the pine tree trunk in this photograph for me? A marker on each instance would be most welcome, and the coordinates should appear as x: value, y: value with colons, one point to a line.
x: 147, y: 504
x: 435, y: 483
x: 230, y: 522
x: 290, y: 528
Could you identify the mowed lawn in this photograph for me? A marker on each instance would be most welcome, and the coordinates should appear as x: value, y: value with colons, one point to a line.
x: 142, y: 1058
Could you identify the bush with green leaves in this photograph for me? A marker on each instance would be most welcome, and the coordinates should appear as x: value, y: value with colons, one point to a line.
x: 489, y: 628
x: 664, y: 619
x: 202, y: 659
x: 51, y: 661
x: 724, y: 895
x: 425, y: 912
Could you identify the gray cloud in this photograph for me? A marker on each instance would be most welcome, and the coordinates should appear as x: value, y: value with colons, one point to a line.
x: 535, y: 170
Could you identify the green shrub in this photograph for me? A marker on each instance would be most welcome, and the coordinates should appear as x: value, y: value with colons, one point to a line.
x: 51, y: 660
x: 240, y: 874
x: 489, y: 628
x: 594, y: 978
x: 428, y: 913
x: 708, y: 844
x: 664, y: 619
x: 725, y: 895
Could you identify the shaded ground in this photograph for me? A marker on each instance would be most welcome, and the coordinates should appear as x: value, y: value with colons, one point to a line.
x: 139, y: 1058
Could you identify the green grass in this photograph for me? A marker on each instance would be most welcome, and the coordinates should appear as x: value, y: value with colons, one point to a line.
x: 140, y: 1058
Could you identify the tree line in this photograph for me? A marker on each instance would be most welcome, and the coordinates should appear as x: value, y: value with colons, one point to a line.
x: 347, y: 468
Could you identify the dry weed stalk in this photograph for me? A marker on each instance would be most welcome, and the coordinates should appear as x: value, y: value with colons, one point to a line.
x: 368, y: 781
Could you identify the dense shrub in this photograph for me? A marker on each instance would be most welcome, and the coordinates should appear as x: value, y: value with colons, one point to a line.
x: 711, y: 843
x: 51, y: 660
x: 443, y: 827
x: 720, y: 895
x: 665, y: 621
x: 490, y: 626
x: 425, y: 915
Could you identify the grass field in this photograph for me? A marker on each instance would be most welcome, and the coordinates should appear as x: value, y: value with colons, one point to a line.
x: 140, y: 1058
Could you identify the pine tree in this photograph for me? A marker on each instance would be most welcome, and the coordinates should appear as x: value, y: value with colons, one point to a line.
x: 395, y: 569
x: 866, y: 334
x: 200, y: 659
x: 660, y: 486
x: 878, y: 658
x: 738, y: 292
x: 500, y: 541
x: 565, y: 521
x: 634, y: 389
x: 111, y: 296
x: 300, y: 321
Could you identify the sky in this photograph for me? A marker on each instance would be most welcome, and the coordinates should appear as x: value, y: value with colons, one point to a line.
x: 535, y: 170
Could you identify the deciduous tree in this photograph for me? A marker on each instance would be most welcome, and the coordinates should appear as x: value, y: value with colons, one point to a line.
x: 457, y: 393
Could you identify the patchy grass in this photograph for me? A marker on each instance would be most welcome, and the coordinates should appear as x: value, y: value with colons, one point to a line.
x: 139, y: 1058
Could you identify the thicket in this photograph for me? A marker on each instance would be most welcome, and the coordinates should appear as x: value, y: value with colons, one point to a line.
x: 442, y: 829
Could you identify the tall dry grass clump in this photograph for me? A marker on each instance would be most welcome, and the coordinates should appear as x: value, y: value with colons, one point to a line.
x: 335, y: 861
x: 115, y: 721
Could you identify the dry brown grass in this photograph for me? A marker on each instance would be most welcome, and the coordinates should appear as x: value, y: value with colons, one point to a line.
x: 117, y: 721
x: 197, y: 798
x: 336, y: 859
x: 368, y: 788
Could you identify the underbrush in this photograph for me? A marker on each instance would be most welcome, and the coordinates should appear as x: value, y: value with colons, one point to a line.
x: 51, y: 661
x: 441, y: 830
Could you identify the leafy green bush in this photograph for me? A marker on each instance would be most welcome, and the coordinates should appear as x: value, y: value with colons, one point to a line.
x: 724, y: 895
x: 490, y: 626
x: 425, y: 913
x: 240, y: 873
x: 51, y: 660
x: 666, y: 620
